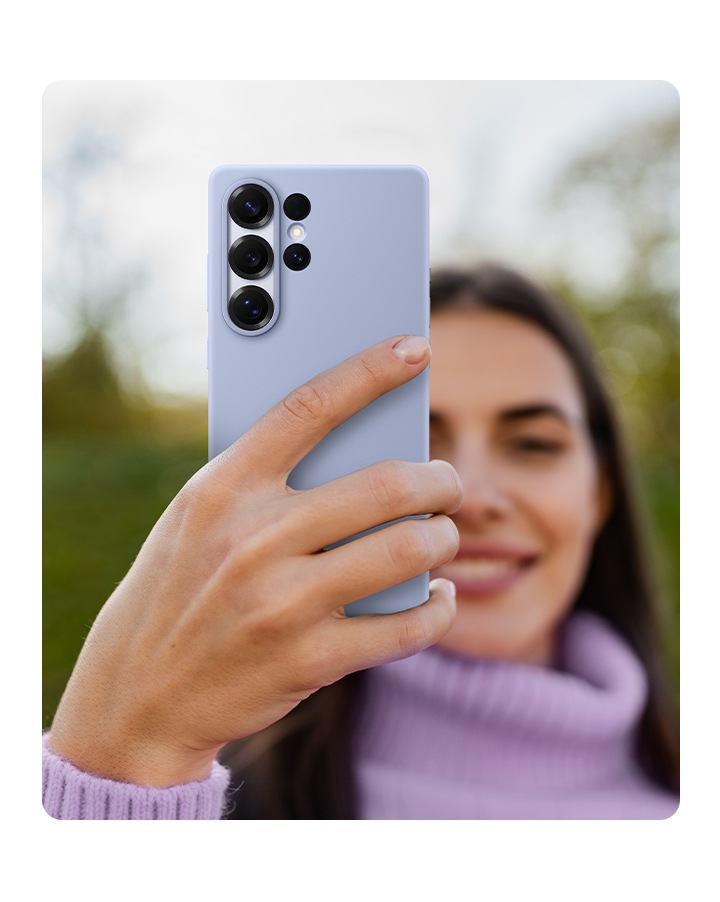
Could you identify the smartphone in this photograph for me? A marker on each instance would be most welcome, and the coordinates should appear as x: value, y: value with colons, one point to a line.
x: 308, y: 265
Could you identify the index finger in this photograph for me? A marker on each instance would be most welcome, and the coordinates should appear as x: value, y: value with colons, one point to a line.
x: 274, y: 445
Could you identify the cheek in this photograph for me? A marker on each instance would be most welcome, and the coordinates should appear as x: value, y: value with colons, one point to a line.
x: 563, y: 508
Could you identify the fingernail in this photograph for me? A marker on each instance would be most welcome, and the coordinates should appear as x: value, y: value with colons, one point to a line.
x: 412, y: 349
x: 453, y: 588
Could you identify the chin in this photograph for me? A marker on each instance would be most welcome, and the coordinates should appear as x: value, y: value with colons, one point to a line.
x: 494, y: 636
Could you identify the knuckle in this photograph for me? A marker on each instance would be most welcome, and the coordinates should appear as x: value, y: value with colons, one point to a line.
x: 309, y: 403
x: 313, y: 667
x: 256, y: 537
x: 453, y: 485
x: 389, y: 485
x: 373, y: 369
x: 409, y: 548
x: 448, y: 538
x: 414, y: 634
x: 201, y: 499
x: 274, y: 620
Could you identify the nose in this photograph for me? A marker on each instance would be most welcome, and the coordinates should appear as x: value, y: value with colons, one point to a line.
x: 484, y: 494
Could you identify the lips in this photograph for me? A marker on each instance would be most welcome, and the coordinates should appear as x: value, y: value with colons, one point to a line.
x: 484, y: 568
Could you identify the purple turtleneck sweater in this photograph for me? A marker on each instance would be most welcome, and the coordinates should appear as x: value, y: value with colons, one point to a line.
x: 444, y: 737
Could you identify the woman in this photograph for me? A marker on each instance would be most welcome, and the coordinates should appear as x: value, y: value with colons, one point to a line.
x: 544, y: 697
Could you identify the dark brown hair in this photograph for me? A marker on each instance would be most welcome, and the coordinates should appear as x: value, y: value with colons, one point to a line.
x: 300, y: 767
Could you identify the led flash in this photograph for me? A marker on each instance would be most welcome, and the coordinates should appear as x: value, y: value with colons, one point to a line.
x: 296, y: 231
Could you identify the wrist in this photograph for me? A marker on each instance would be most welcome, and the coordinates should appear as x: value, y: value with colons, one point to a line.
x: 73, y: 794
x: 128, y: 760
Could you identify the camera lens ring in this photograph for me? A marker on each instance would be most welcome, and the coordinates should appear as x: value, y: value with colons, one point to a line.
x: 250, y: 308
x: 251, y: 206
x: 251, y: 257
x: 296, y: 207
x: 296, y: 257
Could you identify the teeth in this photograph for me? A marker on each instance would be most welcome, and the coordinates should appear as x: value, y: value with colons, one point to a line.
x: 482, y: 568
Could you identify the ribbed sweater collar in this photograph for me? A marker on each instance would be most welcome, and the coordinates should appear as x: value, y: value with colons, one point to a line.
x: 508, y: 724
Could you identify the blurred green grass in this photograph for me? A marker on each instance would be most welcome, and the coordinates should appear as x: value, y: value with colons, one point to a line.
x: 101, y: 497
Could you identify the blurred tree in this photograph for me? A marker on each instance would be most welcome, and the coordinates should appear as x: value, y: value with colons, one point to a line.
x: 92, y: 385
x: 620, y: 204
x: 82, y: 394
x: 88, y: 287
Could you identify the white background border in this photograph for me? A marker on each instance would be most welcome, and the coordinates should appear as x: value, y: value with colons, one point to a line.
x: 352, y: 860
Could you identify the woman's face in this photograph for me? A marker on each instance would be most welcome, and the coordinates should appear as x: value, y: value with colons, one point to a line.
x: 507, y: 412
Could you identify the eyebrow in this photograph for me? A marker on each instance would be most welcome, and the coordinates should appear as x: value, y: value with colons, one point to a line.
x: 534, y: 410
x: 524, y: 412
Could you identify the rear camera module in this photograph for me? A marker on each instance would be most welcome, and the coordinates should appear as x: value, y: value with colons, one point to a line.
x: 250, y: 257
x: 296, y: 207
x: 297, y: 256
x: 250, y: 206
x: 251, y: 308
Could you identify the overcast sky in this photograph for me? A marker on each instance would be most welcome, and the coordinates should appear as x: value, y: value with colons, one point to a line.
x: 126, y: 167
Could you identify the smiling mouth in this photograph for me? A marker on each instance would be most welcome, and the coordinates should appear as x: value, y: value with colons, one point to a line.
x: 484, y: 568
x: 483, y: 575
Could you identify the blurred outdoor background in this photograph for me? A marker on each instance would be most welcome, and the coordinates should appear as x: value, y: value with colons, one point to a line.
x: 573, y: 183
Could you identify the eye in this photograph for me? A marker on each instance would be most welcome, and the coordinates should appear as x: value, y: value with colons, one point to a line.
x: 540, y: 446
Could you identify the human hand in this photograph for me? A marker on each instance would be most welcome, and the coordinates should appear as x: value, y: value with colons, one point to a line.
x: 230, y: 616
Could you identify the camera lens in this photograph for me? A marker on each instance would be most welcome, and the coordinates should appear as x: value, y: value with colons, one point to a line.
x: 250, y: 257
x: 296, y: 207
x: 250, y: 206
x: 297, y: 256
x: 251, y: 308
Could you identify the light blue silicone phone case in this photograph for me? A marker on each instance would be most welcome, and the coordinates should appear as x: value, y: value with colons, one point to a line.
x: 368, y: 280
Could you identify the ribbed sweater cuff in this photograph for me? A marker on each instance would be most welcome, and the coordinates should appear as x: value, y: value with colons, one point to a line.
x: 72, y: 794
